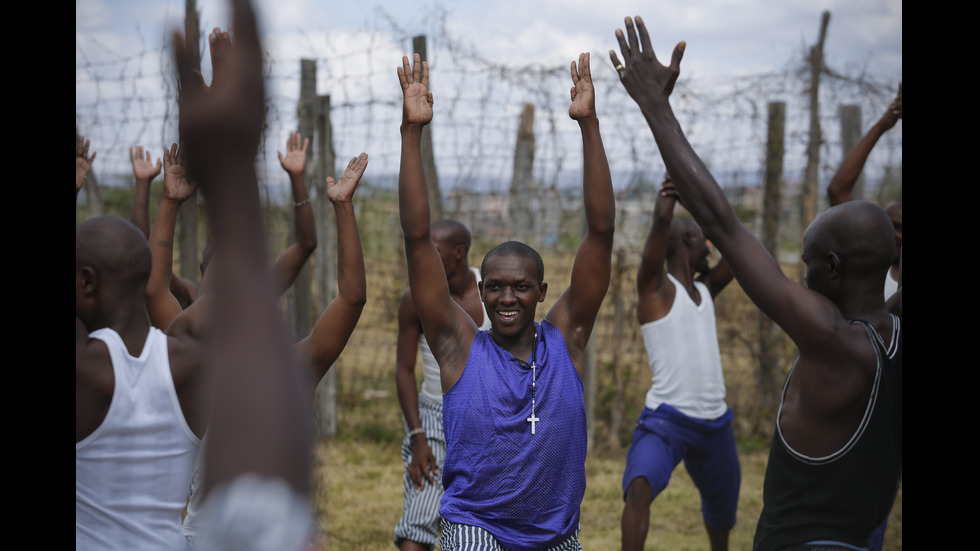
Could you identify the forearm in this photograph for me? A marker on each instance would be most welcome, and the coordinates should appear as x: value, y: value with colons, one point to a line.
x: 303, y: 218
x: 842, y: 184
x: 140, y: 214
x: 600, y: 205
x: 698, y: 190
x: 262, y: 392
x: 161, y: 242
x: 408, y: 397
x: 413, y: 198
x: 351, y: 281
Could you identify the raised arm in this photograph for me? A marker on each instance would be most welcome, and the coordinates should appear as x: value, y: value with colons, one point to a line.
x: 655, y: 293
x: 448, y: 328
x: 650, y: 84
x: 291, y: 261
x: 575, y: 311
x: 336, y: 324
x: 842, y: 184
x: 83, y: 163
x: 409, y: 330
x: 144, y: 171
x: 717, y: 278
x: 161, y: 304
x: 261, y: 421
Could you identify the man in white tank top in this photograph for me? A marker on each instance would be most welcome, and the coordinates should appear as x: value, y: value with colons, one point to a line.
x: 138, y: 413
x: 424, y: 447
x: 685, y: 416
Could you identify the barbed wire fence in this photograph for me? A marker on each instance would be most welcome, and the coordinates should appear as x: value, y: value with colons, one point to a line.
x: 130, y: 99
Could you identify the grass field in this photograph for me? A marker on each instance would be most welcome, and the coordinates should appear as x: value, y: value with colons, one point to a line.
x: 358, y: 495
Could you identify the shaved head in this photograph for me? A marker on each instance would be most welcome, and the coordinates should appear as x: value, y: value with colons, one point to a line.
x: 515, y: 248
x: 451, y: 232
x: 114, y: 247
x: 859, y: 233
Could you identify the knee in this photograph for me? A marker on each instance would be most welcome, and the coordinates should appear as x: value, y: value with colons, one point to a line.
x: 639, y: 495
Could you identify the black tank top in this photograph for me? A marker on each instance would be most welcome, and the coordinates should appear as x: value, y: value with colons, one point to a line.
x: 844, y: 496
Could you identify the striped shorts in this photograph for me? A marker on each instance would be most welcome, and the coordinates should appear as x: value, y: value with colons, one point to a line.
x: 420, y: 514
x: 462, y: 537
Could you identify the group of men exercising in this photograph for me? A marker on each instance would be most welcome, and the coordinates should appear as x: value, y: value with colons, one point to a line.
x: 495, y: 442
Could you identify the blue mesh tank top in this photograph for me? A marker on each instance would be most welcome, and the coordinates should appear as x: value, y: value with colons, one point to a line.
x: 525, y: 489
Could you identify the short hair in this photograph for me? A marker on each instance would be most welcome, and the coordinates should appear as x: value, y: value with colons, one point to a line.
x: 452, y: 230
x: 515, y: 248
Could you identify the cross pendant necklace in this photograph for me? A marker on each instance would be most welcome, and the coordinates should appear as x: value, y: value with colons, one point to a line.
x: 534, y: 341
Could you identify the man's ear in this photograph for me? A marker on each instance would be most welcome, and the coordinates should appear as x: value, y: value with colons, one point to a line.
x: 544, y: 291
x: 833, y: 265
x: 479, y: 286
x: 90, y: 281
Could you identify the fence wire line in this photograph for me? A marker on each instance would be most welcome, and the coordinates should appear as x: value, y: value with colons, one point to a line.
x: 129, y: 100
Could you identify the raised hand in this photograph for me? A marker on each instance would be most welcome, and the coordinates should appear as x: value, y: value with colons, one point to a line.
x: 583, y: 92
x: 143, y: 167
x: 220, y: 45
x: 894, y: 111
x: 647, y: 81
x: 223, y: 121
x: 83, y: 163
x: 342, y: 190
x: 666, y: 198
x: 417, y: 106
x: 175, y: 183
x: 294, y: 162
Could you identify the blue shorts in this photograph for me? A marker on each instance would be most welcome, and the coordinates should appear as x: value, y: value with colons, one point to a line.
x: 664, y: 437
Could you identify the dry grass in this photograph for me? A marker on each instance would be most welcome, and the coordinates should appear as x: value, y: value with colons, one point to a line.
x: 358, y: 496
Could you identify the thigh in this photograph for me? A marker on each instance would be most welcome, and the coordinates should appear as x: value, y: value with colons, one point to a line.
x: 658, y: 446
x: 714, y: 468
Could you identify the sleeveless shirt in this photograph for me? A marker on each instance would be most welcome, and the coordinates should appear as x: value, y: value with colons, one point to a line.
x: 132, y: 474
x: 432, y: 378
x: 846, y: 495
x: 684, y: 357
x: 525, y: 489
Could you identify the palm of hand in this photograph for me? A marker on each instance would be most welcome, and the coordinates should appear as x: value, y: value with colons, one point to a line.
x: 176, y: 185
x: 145, y: 169
x: 418, y: 104
x: 294, y: 161
x: 583, y: 100
x: 342, y: 190
x: 82, y: 166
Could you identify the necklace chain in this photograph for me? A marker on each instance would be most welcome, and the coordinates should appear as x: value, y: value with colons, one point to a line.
x: 534, y: 374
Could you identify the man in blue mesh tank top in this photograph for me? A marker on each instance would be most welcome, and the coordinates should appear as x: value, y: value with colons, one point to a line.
x: 513, y: 406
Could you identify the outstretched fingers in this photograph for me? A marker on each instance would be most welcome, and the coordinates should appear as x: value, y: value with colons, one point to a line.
x: 405, y: 73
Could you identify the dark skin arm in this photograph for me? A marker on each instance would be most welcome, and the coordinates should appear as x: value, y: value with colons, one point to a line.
x: 656, y: 292
x: 650, y: 83
x: 291, y: 261
x: 261, y: 420
x: 409, y: 329
x: 161, y: 304
x: 834, y: 354
x: 448, y: 328
x: 575, y: 311
x: 144, y: 171
x: 842, y: 184
x: 335, y: 326
x: 83, y: 163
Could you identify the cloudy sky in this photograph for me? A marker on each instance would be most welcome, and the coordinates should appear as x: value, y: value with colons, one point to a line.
x: 726, y: 38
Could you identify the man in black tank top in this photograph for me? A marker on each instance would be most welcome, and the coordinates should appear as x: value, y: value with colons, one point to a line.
x: 842, y: 392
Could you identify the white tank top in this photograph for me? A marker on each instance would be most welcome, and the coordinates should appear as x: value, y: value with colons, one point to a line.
x: 132, y: 474
x: 432, y: 379
x: 684, y: 357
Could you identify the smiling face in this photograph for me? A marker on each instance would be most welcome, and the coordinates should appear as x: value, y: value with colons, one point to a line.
x: 511, y: 290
